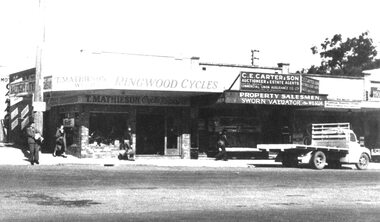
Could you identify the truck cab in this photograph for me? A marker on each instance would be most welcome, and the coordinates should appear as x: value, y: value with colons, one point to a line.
x: 355, y: 149
x: 339, y: 135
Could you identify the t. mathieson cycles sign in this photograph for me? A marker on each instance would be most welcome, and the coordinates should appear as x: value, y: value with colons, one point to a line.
x: 274, y: 98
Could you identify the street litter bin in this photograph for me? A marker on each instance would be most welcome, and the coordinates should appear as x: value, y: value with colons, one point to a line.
x: 194, y: 153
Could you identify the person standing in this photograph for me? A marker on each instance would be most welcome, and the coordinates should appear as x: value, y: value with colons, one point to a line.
x: 126, y: 145
x: 34, y: 139
x: 221, y: 144
x: 60, y: 142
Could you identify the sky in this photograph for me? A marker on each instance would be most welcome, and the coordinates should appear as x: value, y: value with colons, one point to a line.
x: 221, y: 31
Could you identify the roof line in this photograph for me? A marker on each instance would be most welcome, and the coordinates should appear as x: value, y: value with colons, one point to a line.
x: 238, y: 66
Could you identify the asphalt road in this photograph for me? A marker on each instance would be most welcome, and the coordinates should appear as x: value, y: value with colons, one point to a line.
x: 146, y: 193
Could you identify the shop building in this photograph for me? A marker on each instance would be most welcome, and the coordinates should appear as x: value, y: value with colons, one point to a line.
x: 159, y: 98
x: 175, y: 105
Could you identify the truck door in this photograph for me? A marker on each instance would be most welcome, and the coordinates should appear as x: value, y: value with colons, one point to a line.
x: 354, y: 149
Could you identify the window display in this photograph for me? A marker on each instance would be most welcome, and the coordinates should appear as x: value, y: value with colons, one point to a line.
x: 106, y: 128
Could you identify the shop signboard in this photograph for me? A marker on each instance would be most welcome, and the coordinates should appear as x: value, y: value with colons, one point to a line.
x: 270, y: 82
x: 14, y: 124
x: 337, y: 104
x: 15, y: 100
x: 173, y: 83
x: 24, y: 122
x: 25, y: 111
x: 142, y: 100
x: 135, y: 100
x: 21, y: 88
x: 47, y: 82
x: 68, y: 122
x: 268, y: 98
x: 14, y: 113
x: 309, y: 85
x: 39, y: 106
x: 375, y: 93
x: 27, y: 75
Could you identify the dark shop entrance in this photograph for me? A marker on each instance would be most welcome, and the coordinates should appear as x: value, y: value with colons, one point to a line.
x: 150, y: 134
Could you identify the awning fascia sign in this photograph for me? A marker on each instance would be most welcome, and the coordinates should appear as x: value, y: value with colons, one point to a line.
x: 269, y: 98
x: 139, y: 100
x: 337, y: 104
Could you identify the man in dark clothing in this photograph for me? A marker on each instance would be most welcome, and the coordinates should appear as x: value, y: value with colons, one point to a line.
x: 221, y: 144
x: 126, y: 144
x: 60, y: 142
x: 34, y: 139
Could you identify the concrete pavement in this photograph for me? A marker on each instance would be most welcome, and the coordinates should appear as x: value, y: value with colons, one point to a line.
x: 15, y: 156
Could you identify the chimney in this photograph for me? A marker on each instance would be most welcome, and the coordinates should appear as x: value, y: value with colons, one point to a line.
x: 284, y: 67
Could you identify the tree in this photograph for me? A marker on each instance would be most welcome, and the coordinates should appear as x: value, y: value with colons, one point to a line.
x: 348, y: 57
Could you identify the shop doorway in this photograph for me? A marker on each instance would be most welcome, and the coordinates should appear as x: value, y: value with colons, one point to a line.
x: 150, y: 134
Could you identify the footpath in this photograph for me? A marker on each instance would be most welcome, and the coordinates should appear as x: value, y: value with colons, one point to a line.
x: 16, y: 156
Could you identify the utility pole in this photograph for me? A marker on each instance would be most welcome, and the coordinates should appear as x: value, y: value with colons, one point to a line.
x: 253, y: 56
x: 38, y: 97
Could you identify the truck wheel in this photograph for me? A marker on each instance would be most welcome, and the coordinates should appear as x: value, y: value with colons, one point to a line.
x: 363, y: 162
x: 318, y: 160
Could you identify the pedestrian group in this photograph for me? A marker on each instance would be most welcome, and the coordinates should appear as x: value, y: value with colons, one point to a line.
x: 35, y: 139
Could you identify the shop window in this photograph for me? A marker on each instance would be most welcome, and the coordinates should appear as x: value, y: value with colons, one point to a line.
x: 107, y: 127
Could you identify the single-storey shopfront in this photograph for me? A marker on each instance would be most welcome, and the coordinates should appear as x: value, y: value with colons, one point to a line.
x: 175, y: 105
x: 166, y: 102
x: 159, y: 121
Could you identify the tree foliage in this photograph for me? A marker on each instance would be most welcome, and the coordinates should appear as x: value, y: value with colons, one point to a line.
x: 346, y: 57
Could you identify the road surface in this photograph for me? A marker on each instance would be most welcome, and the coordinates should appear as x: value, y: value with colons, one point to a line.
x: 147, y: 193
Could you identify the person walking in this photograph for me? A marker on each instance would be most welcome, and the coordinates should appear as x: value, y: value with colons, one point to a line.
x: 60, y: 142
x: 221, y: 144
x: 34, y: 138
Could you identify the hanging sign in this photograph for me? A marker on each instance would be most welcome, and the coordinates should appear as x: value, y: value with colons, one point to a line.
x: 39, y: 106
x: 14, y: 113
x: 22, y: 88
x: 25, y: 111
x: 375, y: 93
x: 68, y: 122
x: 14, y: 124
x: 24, y: 122
x: 309, y: 85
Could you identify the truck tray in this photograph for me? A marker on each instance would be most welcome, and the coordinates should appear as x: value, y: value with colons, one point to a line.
x: 284, y: 147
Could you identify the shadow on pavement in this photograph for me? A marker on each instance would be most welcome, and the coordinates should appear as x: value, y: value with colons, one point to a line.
x: 268, y: 165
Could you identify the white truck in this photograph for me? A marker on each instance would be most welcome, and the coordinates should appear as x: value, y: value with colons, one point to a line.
x: 333, y: 144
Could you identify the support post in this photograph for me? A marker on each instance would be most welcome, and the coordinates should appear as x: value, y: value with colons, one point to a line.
x: 38, y: 93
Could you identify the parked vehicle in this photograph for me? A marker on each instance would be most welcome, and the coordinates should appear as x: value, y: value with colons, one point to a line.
x: 333, y: 144
x: 375, y: 154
